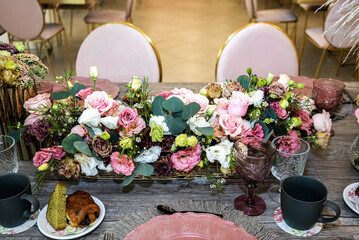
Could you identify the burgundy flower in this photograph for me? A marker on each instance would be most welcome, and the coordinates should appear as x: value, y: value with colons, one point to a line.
x: 163, y: 166
x: 40, y: 129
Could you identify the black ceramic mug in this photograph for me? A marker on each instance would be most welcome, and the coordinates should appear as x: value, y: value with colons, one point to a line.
x: 302, y: 201
x: 16, y: 200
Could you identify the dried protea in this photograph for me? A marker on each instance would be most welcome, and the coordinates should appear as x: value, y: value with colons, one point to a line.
x: 101, y: 146
x: 214, y: 90
x: 69, y: 168
x: 163, y: 166
x: 231, y: 87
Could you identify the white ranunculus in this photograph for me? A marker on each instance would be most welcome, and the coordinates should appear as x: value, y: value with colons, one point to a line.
x: 150, y: 155
x: 102, y: 166
x: 160, y: 121
x: 88, y: 164
x: 220, y: 152
x: 284, y: 79
x: 257, y: 97
x: 91, y: 117
x: 195, y: 122
x: 110, y: 122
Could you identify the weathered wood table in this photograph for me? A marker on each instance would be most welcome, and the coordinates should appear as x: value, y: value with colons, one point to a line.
x: 331, y: 166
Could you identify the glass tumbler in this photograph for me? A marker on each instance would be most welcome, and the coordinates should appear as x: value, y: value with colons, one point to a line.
x: 8, y: 157
x: 329, y: 93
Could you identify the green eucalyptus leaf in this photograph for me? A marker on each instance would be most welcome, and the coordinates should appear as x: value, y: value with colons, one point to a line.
x: 98, y: 157
x: 245, y: 81
x: 173, y: 105
x: 81, y: 146
x: 177, y: 126
x: 76, y: 88
x: 15, y: 134
x: 91, y: 132
x: 144, y: 169
x: 114, y: 137
x: 128, y: 179
x: 157, y: 106
x: 177, y: 115
x: 68, y: 142
x: 207, y: 131
x: 169, y: 118
x: 190, y: 110
x: 60, y: 95
x: 269, y: 112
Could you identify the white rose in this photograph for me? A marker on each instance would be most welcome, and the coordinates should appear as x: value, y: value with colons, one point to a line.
x: 149, y: 155
x: 91, y: 117
x: 284, y: 79
x: 88, y: 164
x: 110, y: 122
x: 220, y: 152
x: 93, y: 72
x: 102, y: 166
x: 160, y: 121
x: 257, y: 97
x: 195, y: 122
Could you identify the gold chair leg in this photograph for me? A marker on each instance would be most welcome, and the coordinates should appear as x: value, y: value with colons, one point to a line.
x: 48, y: 59
x: 28, y: 46
x: 320, y: 63
x: 71, y: 21
x: 286, y: 27
x: 340, y: 62
x: 67, y: 49
x: 302, y: 48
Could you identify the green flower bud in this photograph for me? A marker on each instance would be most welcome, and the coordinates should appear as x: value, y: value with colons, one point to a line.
x: 269, y: 78
x: 20, y: 47
x: 300, y: 85
x: 295, y: 122
x: 211, y: 109
x: 288, y: 95
x: 200, y: 164
x: 5, y: 53
x: 43, y: 167
x: 291, y: 83
x: 10, y: 64
x: 156, y: 132
x: 267, y: 121
x: 55, y: 107
x: 261, y: 82
x: 203, y: 92
x: 255, y: 79
x: 126, y: 143
x: 192, y: 141
x: 181, y: 140
x: 105, y: 135
x: 255, y: 113
x: 249, y: 71
x: 283, y: 103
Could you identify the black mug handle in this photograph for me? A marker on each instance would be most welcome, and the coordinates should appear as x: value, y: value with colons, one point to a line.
x: 336, y: 210
x: 34, y: 202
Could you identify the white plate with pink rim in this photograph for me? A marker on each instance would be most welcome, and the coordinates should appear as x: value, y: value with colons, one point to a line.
x: 70, y: 232
x: 351, y: 198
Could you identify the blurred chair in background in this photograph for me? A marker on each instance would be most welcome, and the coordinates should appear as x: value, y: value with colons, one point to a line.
x: 119, y: 50
x: 264, y: 47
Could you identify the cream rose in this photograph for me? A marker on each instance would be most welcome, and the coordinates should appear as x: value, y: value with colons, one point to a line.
x: 110, y: 122
x: 91, y: 117
x: 322, y: 122
x: 220, y: 152
x: 88, y: 164
x: 150, y: 155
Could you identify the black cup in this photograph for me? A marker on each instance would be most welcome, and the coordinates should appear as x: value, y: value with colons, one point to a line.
x: 16, y: 200
x: 302, y: 202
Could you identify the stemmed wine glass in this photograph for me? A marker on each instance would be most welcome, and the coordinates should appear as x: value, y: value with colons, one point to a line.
x: 290, y: 160
x: 254, y: 157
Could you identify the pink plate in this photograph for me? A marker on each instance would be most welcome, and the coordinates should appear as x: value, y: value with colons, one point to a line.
x: 101, y: 85
x: 189, y: 226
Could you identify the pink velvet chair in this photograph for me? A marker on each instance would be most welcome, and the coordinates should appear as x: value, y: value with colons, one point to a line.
x: 271, y: 16
x: 24, y: 21
x: 102, y: 16
x: 262, y: 46
x: 325, y: 38
x: 119, y: 50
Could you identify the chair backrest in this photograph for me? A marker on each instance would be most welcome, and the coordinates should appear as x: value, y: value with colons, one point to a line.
x: 262, y: 46
x: 251, y: 6
x: 335, y: 37
x: 130, y: 8
x: 22, y: 18
x: 119, y: 50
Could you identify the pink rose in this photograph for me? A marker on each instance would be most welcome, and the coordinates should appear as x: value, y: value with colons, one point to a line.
x: 127, y: 116
x: 84, y: 93
x: 281, y: 113
x: 56, y: 152
x: 231, y: 125
x: 122, y: 165
x: 41, y: 157
x: 99, y: 100
x: 200, y: 99
x: 222, y: 105
x: 32, y: 118
x: 307, y: 122
x: 165, y: 94
x: 356, y: 114
x: 187, y: 159
x: 134, y: 128
x: 322, y: 122
x: 238, y: 104
x: 38, y: 104
x: 79, y: 130
x: 182, y: 92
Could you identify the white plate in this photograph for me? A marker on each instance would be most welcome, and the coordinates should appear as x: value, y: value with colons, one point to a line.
x: 69, y: 233
x: 346, y: 196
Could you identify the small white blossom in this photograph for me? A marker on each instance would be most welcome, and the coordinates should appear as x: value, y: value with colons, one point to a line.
x: 257, y: 97
x: 150, y: 155
x: 220, y: 152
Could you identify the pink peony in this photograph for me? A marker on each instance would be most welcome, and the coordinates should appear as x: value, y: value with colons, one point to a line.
x: 127, y: 117
x: 222, y: 105
x: 134, y: 128
x: 99, y: 100
x: 165, y: 94
x: 307, y: 122
x: 32, y: 118
x: 56, y: 152
x: 122, y: 165
x: 356, y: 114
x: 200, y: 99
x: 79, y: 130
x: 322, y: 122
x: 187, y: 159
x: 84, y: 93
x: 281, y: 113
x: 238, y: 104
x: 41, y: 157
x: 38, y: 104
x: 231, y: 125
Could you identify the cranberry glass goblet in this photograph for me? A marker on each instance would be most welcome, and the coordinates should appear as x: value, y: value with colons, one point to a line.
x: 254, y: 159
x: 329, y: 93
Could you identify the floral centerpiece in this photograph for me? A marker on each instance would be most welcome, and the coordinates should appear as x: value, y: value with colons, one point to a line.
x: 178, y: 130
